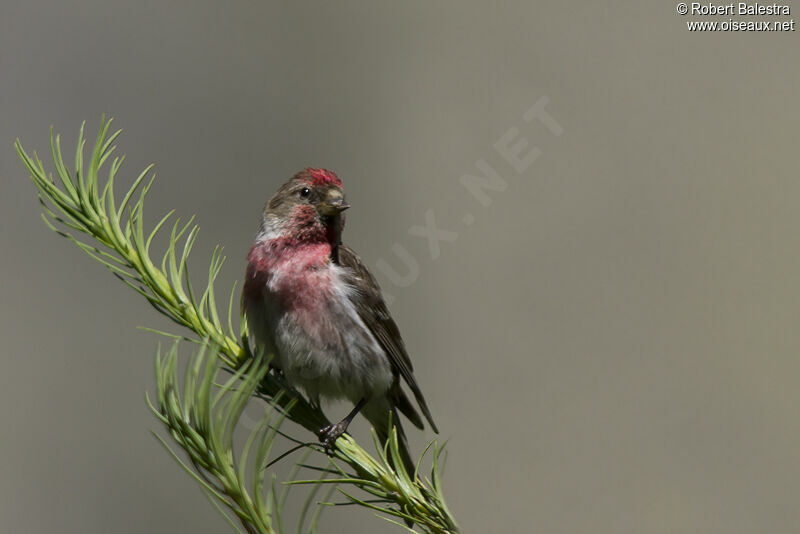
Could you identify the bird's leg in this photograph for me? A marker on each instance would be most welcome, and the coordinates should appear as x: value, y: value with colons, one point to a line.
x: 276, y: 371
x: 329, y: 434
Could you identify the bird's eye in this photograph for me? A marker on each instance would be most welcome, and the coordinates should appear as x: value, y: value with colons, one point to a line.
x: 305, y: 192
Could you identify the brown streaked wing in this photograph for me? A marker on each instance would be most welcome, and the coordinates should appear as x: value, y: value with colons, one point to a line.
x: 373, y: 311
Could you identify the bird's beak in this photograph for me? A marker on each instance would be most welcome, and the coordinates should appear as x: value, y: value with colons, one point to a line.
x: 333, y: 204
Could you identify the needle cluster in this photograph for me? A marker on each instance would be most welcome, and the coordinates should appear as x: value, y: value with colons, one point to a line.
x: 202, y: 415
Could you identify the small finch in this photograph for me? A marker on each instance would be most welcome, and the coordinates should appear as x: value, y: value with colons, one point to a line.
x: 312, y: 303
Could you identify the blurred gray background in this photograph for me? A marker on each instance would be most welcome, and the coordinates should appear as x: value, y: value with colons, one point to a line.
x: 611, y: 346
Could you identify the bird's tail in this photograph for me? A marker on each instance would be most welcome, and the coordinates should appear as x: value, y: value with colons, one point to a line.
x: 383, y: 417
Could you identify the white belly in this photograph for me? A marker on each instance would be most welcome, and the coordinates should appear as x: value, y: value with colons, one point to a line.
x: 324, y: 349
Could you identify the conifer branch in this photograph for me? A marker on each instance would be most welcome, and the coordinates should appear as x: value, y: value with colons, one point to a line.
x: 85, y: 209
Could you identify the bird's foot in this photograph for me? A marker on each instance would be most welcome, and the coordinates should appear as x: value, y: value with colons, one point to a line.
x: 329, y: 434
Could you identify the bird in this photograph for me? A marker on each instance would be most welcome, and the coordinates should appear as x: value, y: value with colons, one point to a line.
x: 311, y: 302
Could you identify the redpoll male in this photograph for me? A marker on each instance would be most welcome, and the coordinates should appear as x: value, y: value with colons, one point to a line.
x: 311, y: 302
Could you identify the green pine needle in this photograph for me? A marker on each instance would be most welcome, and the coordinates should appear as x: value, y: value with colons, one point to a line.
x: 201, y: 420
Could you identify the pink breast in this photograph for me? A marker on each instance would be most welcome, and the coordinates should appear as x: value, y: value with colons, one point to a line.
x: 301, y: 280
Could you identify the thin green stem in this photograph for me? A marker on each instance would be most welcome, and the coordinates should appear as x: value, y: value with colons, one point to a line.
x: 84, y: 210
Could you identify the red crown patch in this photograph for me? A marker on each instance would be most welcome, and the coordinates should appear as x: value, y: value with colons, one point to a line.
x: 323, y: 177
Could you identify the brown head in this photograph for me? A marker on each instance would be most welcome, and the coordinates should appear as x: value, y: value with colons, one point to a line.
x: 308, y: 207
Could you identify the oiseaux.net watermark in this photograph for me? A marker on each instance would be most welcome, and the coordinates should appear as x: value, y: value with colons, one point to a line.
x: 511, y: 155
x: 737, y: 17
